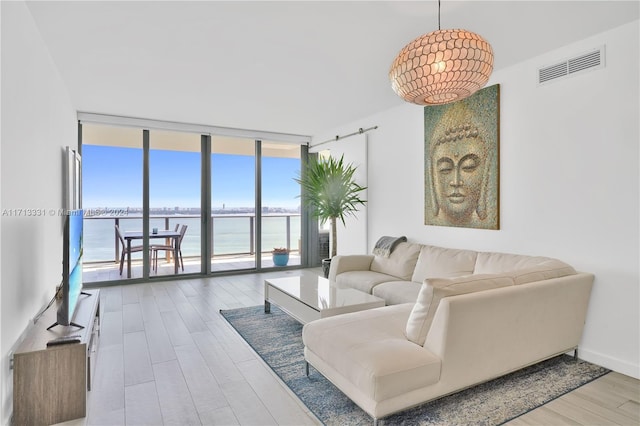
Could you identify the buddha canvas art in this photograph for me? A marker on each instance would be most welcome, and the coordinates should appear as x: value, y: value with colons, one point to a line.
x: 462, y: 162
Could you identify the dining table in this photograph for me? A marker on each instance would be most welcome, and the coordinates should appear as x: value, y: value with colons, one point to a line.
x: 161, y: 233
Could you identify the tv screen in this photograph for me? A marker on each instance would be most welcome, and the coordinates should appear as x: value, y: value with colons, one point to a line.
x: 71, y: 267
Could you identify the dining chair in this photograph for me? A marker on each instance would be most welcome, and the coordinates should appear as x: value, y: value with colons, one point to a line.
x: 169, y: 248
x: 175, y: 229
x: 134, y: 249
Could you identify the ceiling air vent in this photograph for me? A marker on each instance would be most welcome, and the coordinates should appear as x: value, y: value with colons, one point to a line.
x: 589, y: 61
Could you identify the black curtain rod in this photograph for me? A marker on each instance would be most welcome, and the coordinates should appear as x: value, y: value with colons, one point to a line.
x: 338, y: 137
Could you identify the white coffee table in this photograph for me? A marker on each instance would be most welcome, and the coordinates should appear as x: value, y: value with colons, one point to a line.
x: 307, y: 298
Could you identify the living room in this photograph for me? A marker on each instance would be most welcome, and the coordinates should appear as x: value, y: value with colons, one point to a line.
x: 569, y: 177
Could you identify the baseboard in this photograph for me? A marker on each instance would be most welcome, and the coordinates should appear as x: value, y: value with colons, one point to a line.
x: 615, y: 364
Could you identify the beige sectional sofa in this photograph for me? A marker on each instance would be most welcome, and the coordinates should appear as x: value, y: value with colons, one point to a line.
x: 459, y: 318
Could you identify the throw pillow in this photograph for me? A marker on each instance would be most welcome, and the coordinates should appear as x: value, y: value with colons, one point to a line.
x: 433, y: 290
x: 400, y: 263
x: 440, y: 262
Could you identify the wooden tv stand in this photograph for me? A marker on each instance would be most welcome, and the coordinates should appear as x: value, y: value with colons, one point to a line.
x: 50, y: 384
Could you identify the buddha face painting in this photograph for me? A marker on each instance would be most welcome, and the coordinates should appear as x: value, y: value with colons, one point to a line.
x: 461, y: 182
x: 458, y: 170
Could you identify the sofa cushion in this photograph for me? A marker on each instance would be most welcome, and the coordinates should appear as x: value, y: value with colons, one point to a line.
x: 400, y: 263
x: 440, y: 262
x: 397, y: 292
x: 435, y: 289
x: 546, y: 270
x: 352, y: 262
x: 369, y: 349
x: 498, y: 263
x: 362, y: 280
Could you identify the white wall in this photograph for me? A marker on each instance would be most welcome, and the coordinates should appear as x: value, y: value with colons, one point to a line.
x: 569, y: 182
x: 38, y: 121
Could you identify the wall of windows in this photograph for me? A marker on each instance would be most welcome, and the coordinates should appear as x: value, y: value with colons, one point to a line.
x: 236, y: 196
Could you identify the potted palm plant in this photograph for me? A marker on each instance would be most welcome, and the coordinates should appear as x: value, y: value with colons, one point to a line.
x: 332, y: 194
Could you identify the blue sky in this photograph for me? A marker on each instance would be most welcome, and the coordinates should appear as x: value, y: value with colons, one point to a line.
x: 112, y: 177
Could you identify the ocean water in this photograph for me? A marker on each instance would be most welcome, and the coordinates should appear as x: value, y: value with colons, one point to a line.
x: 231, y: 234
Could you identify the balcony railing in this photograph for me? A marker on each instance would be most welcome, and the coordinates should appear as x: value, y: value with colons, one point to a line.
x: 232, y: 234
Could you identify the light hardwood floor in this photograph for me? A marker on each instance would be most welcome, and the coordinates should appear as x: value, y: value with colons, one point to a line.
x: 167, y: 357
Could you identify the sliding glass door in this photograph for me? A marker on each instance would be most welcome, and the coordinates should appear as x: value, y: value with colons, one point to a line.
x: 112, y: 171
x: 174, y: 203
x: 281, y: 229
x: 233, y: 204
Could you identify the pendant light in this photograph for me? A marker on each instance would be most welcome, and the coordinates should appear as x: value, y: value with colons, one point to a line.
x: 441, y: 67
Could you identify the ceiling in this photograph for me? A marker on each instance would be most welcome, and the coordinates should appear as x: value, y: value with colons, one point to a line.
x: 299, y: 67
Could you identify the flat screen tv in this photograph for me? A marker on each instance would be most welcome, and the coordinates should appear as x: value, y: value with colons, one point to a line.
x: 71, y: 268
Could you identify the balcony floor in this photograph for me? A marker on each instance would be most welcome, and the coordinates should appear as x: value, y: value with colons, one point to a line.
x: 110, y: 271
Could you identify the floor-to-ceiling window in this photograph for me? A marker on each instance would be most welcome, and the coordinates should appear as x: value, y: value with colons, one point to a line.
x: 174, y: 202
x: 233, y: 195
x: 281, y: 228
x: 112, y: 172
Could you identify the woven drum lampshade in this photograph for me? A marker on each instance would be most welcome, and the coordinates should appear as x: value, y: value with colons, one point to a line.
x: 441, y: 67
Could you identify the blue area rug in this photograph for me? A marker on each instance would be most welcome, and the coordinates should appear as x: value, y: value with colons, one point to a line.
x: 277, y: 338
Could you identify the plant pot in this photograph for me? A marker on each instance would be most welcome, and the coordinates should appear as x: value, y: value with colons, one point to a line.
x: 326, y: 265
x: 280, y: 259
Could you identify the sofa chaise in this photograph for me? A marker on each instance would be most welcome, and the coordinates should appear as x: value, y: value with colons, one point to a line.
x: 456, y: 318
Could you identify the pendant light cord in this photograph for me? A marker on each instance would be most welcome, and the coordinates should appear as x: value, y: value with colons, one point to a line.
x: 438, y: 14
